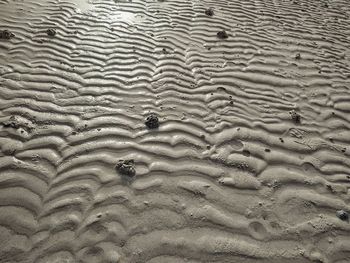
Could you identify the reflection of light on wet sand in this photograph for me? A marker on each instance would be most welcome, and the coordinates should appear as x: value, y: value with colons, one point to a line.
x: 128, y: 17
x: 83, y: 5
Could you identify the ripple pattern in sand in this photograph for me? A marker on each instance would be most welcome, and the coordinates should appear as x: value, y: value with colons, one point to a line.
x: 251, y: 159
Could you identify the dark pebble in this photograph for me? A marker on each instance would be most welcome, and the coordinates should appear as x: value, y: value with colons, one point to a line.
x: 209, y: 12
x: 51, y: 32
x: 6, y: 34
x: 298, y: 56
x: 343, y: 215
x: 222, y: 34
x: 152, y: 121
x: 126, y: 167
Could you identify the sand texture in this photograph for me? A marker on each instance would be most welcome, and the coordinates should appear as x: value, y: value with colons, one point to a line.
x: 174, y: 131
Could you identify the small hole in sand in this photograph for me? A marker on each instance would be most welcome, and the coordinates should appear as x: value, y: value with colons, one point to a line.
x: 246, y: 153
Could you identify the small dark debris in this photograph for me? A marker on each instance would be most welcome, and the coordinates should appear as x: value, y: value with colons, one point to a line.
x: 295, y: 116
x: 281, y: 139
x: 267, y: 150
x: 209, y: 12
x: 222, y: 34
x: 51, y: 32
x: 152, y: 121
x: 325, y: 5
x: 297, y: 56
x: 126, y: 167
x: 343, y: 215
x: 6, y: 34
x: 343, y: 150
x: 330, y: 188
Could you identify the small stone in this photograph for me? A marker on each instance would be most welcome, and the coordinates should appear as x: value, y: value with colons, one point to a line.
x: 6, y: 34
x: 222, y: 34
x: 298, y: 56
x: 209, y: 12
x: 343, y: 215
x: 51, y: 32
x: 152, y: 121
x: 126, y: 167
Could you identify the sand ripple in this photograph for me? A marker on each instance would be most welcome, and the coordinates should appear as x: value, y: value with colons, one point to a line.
x: 251, y: 159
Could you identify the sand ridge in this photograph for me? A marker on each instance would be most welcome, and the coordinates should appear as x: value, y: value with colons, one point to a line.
x: 250, y: 159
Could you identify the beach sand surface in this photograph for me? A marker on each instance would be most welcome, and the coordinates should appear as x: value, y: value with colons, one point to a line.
x: 174, y: 131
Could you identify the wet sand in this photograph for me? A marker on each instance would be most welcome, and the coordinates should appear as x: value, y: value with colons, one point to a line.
x: 174, y: 131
